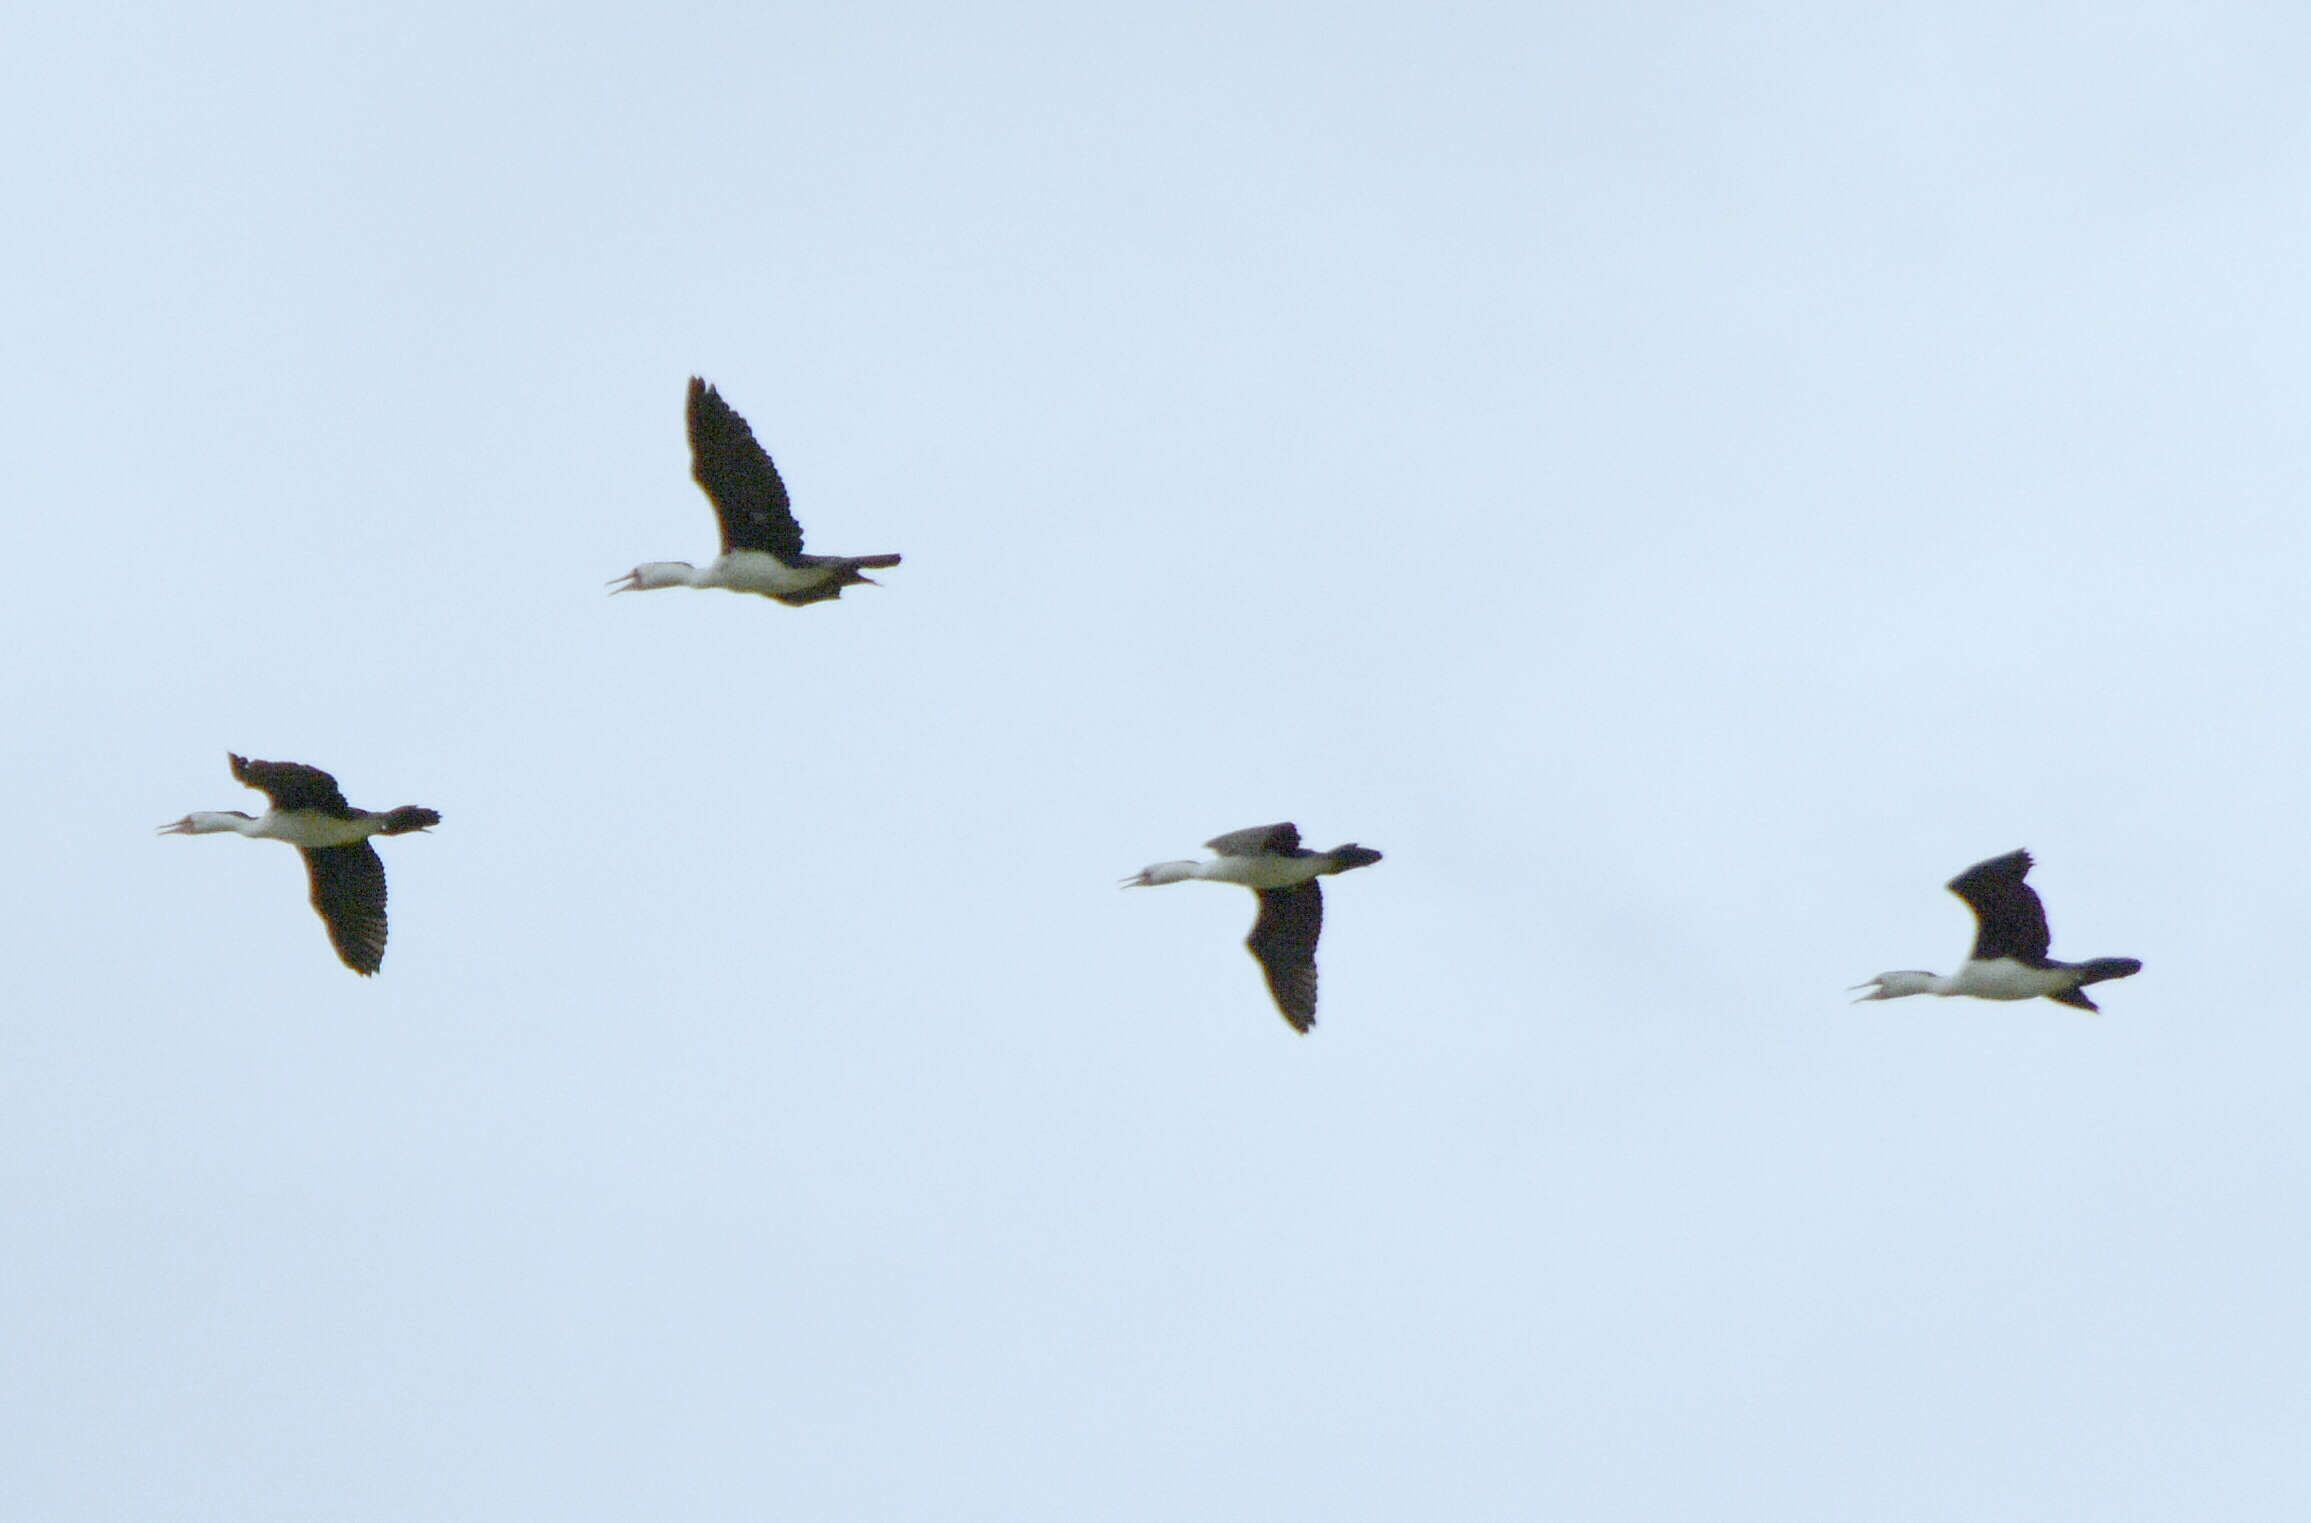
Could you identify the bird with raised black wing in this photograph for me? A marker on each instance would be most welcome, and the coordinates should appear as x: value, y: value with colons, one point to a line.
x: 761, y: 541
x: 2009, y: 960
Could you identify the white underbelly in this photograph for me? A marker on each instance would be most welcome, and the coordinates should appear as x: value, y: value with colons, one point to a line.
x: 2004, y: 978
x: 1266, y: 872
x: 321, y: 830
x: 758, y: 571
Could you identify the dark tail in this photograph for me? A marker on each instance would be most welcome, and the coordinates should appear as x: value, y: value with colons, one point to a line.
x: 2094, y: 970
x: 409, y: 817
x: 1352, y: 855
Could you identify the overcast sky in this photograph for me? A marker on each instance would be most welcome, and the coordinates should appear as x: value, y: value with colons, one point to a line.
x: 1681, y: 480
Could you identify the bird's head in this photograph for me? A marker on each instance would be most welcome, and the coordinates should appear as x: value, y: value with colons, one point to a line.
x: 1897, y: 984
x: 651, y: 575
x: 1161, y: 872
x: 203, y: 822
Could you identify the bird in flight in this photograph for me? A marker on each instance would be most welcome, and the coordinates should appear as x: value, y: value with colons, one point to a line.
x: 761, y: 542
x: 1270, y: 861
x: 2009, y: 960
x: 310, y: 814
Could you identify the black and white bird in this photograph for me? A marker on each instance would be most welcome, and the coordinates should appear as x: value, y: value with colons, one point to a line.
x: 1270, y: 861
x: 311, y: 814
x: 761, y: 543
x: 2009, y: 960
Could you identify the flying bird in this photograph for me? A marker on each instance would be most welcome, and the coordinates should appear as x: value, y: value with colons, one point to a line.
x: 761, y: 543
x: 1270, y: 861
x: 311, y: 814
x: 2009, y: 959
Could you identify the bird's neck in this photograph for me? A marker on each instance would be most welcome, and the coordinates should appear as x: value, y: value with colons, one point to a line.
x: 204, y: 822
x: 651, y: 575
x: 1912, y: 981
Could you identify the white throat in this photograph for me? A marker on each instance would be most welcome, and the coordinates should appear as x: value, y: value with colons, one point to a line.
x: 1905, y: 982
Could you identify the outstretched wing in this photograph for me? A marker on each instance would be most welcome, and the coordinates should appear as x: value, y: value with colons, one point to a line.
x: 2012, y: 921
x: 1258, y: 841
x: 292, y: 785
x: 349, y: 891
x: 1284, y: 940
x: 739, y: 478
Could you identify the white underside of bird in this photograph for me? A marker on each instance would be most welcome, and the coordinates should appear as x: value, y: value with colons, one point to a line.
x: 302, y: 828
x: 734, y: 571
x: 1998, y: 978
x: 1251, y: 872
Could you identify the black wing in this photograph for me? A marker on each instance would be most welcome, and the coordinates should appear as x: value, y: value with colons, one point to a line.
x: 739, y: 479
x: 292, y: 785
x: 1258, y: 841
x: 2012, y: 920
x: 1284, y: 940
x: 349, y: 891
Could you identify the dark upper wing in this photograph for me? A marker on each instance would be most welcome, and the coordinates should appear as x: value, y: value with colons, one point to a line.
x: 738, y: 477
x: 1258, y: 841
x: 1284, y: 939
x: 292, y: 785
x: 349, y: 891
x: 2013, y: 922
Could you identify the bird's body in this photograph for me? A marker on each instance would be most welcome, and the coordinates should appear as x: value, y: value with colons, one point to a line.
x: 2009, y: 960
x: 310, y: 813
x: 761, y: 541
x: 1270, y: 861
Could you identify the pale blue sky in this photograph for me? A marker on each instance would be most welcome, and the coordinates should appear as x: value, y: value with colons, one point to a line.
x: 1682, y: 481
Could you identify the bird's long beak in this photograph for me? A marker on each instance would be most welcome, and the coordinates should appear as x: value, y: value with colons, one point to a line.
x: 183, y: 827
